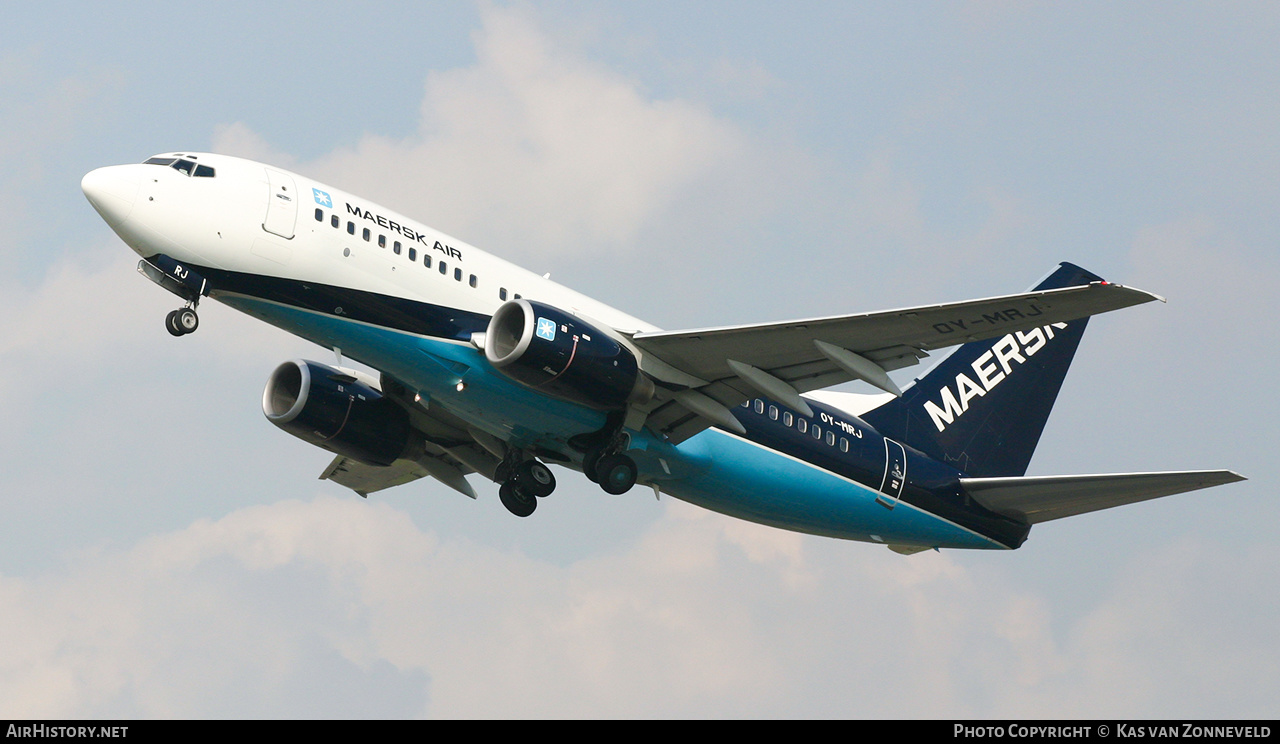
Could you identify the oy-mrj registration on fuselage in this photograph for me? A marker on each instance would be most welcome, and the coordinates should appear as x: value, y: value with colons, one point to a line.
x: 488, y: 368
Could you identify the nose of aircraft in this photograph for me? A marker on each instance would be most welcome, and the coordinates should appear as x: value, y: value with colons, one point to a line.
x: 112, y: 191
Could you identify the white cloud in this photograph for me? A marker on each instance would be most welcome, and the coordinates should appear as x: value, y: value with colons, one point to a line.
x: 224, y: 618
x: 534, y: 148
x: 92, y: 309
x: 545, y: 157
x: 238, y: 140
x: 343, y: 607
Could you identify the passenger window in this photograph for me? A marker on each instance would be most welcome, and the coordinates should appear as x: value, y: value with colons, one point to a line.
x: 802, y: 425
x: 333, y: 220
x: 472, y: 281
x: 831, y: 439
x: 443, y: 268
x: 502, y: 294
x: 787, y: 418
x: 396, y: 248
x: 457, y: 274
x: 382, y: 241
x: 319, y: 214
x: 516, y: 296
x: 773, y: 412
x: 759, y: 406
x: 365, y: 235
x: 816, y: 431
x: 351, y: 227
x: 844, y: 444
x: 426, y: 260
x: 413, y: 254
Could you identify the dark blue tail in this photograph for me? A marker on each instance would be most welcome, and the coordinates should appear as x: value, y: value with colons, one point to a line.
x: 982, y: 408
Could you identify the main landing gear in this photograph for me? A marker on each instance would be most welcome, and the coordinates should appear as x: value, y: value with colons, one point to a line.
x: 182, y: 321
x: 603, y: 461
x: 524, y: 481
x: 614, y: 471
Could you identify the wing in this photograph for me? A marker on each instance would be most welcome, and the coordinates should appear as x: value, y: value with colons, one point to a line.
x: 366, y: 479
x: 704, y: 373
x: 1038, y: 499
x: 445, y: 448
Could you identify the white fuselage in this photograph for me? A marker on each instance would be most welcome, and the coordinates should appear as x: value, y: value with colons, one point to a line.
x: 325, y: 265
x: 223, y: 222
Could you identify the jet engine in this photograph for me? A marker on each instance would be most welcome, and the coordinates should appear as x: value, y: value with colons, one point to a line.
x: 557, y: 353
x: 331, y: 408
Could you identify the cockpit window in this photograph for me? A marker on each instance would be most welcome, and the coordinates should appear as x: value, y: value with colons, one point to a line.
x: 183, y: 165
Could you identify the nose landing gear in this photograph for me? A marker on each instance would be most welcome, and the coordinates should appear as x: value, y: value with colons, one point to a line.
x: 182, y: 321
x: 181, y: 280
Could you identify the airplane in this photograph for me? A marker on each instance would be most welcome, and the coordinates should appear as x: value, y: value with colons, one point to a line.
x: 485, y: 367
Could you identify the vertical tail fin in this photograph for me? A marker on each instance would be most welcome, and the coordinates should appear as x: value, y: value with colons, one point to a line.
x: 983, y: 407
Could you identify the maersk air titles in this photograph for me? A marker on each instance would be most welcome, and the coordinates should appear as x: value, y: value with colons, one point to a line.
x: 391, y: 225
x: 485, y: 368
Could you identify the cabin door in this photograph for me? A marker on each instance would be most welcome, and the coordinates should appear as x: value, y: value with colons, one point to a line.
x: 282, y: 205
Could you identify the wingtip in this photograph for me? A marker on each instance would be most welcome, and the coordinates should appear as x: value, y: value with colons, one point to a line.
x: 1150, y: 295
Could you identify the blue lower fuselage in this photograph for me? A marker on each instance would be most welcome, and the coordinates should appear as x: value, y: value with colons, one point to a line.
x: 774, y: 475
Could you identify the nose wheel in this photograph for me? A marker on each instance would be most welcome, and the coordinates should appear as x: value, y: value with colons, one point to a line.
x: 183, y: 321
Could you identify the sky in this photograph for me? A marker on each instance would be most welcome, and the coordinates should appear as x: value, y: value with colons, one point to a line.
x: 167, y: 553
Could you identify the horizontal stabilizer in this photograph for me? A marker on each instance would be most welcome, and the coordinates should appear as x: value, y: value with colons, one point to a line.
x: 1039, y: 499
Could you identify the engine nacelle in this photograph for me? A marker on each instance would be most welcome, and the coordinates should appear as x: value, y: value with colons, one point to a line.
x: 332, y: 409
x: 559, y: 354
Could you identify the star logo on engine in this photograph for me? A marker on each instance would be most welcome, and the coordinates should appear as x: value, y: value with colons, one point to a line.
x: 546, y: 329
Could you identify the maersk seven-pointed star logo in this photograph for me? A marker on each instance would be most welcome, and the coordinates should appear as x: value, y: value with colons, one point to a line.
x: 322, y: 198
x: 546, y: 329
